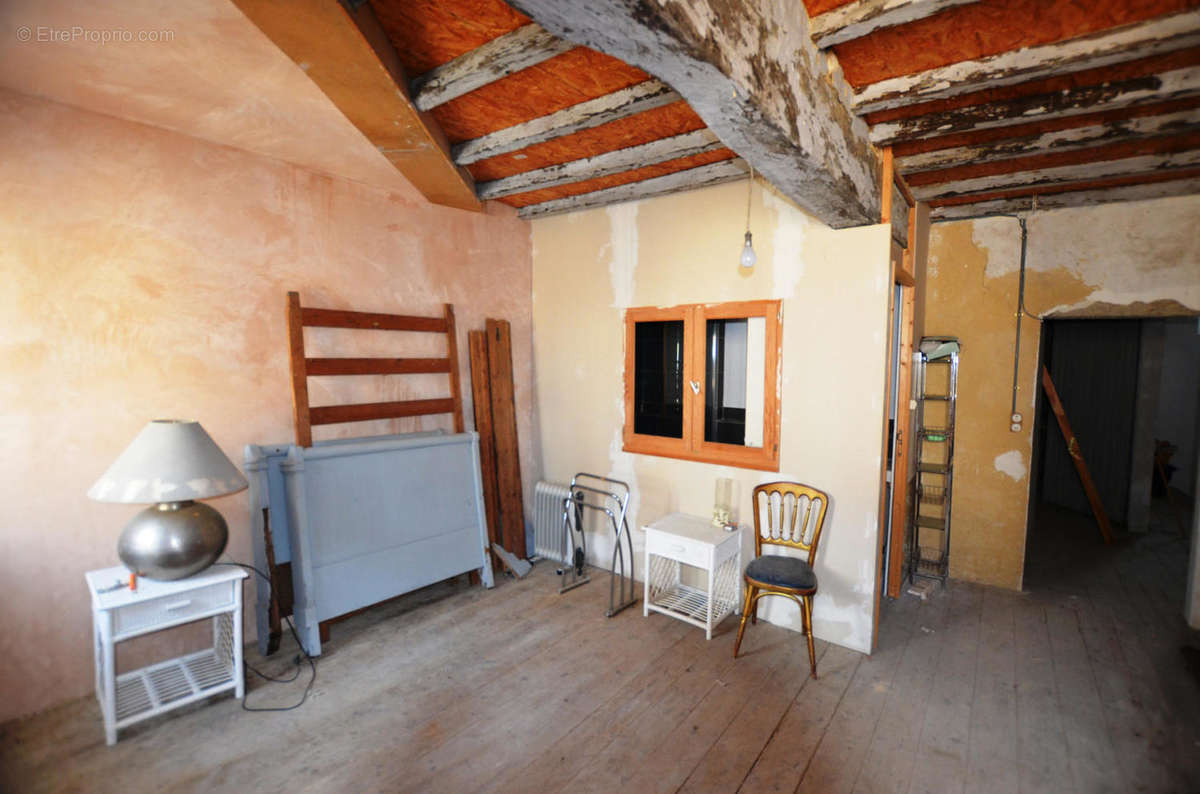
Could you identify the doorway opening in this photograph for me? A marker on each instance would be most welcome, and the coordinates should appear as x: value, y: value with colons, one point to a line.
x: 1130, y: 391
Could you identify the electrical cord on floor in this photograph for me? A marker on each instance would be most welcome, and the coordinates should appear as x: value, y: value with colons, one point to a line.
x: 312, y: 663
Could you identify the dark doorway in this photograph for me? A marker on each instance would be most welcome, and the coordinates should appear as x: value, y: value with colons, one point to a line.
x: 1094, y: 364
x: 1130, y: 390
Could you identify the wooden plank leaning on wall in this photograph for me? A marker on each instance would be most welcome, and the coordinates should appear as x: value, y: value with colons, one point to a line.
x: 481, y: 393
x: 504, y: 420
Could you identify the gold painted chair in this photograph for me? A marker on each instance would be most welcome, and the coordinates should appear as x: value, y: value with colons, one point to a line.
x: 785, y: 514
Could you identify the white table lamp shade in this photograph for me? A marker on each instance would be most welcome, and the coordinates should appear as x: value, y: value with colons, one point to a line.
x: 169, y: 461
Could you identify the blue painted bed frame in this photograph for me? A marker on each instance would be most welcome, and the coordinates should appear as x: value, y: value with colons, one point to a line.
x: 363, y: 520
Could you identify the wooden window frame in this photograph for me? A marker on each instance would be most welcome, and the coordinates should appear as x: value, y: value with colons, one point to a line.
x: 692, y: 445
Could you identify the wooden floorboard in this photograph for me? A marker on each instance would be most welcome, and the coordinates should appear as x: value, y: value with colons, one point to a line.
x: 783, y: 761
x: 727, y: 762
x: 574, y: 749
x: 843, y: 746
x: 992, y: 754
x: 888, y: 765
x: 1077, y: 685
x: 942, y: 753
x: 1090, y: 750
x: 1042, y: 763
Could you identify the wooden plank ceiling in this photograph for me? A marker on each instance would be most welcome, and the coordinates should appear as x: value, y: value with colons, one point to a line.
x: 561, y: 128
x: 984, y: 103
x: 987, y: 104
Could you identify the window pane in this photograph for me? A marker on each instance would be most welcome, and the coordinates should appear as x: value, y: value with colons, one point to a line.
x: 734, y: 369
x: 725, y: 381
x: 658, y: 380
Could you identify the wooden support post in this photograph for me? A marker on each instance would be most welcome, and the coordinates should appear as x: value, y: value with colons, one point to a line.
x: 903, y: 454
x: 1073, y: 450
x: 885, y: 213
x: 504, y: 418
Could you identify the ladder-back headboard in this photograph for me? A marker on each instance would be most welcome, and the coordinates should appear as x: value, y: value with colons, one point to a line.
x: 301, y: 317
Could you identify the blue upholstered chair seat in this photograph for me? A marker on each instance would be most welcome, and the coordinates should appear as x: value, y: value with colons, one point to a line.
x: 780, y: 571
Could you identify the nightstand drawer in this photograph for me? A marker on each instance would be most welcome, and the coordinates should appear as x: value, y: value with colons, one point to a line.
x: 155, y: 612
x: 686, y: 550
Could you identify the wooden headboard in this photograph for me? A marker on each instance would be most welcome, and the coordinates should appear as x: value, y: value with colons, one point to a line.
x: 303, y: 368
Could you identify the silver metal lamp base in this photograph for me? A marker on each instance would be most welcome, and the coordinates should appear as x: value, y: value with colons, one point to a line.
x: 173, y: 540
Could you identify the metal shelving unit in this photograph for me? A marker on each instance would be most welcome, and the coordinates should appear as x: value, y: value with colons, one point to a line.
x: 936, y: 376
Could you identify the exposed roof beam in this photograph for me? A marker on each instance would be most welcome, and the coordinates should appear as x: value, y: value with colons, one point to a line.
x: 1042, y: 177
x: 526, y: 46
x: 1131, y: 42
x: 1077, y: 198
x: 864, y: 17
x: 692, y: 178
x: 1055, y: 141
x: 351, y: 60
x: 752, y: 72
x: 605, y: 164
x: 601, y: 110
x: 1175, y: 84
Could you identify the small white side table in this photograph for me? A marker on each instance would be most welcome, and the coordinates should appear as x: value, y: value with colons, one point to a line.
x: 680, y: 539
x: 118, y: 614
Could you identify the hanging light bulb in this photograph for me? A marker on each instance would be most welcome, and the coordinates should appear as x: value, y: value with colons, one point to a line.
x: 748, y: 258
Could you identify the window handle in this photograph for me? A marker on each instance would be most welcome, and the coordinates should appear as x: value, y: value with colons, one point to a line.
x: 695, y: 384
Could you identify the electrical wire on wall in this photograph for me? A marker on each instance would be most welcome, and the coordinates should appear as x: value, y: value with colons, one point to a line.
x: 1015, y: 417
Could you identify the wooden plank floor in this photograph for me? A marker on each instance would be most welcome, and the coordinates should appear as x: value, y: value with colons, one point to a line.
x: 1075, y: 686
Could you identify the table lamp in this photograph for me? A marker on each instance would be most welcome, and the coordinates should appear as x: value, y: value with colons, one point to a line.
x: 169, y: 465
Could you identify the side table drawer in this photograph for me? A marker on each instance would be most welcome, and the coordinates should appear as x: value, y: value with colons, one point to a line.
x: 685, y: 550
x: 169, y: 609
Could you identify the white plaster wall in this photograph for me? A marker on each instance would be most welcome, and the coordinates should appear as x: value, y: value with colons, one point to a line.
x: 590, y: 266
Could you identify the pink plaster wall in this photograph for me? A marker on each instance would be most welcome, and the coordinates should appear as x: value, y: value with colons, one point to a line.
x: 143, y: 274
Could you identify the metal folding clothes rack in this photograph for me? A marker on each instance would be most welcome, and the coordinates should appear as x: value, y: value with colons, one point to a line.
x: 610, y: 497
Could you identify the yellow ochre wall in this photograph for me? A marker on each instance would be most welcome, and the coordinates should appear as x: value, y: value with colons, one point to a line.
x: 144, y: 275
x: 1129, y: 259
x: 589, y: 266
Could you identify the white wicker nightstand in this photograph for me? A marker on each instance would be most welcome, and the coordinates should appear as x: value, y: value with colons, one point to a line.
x: 118, y: 614
x: 680, y: 539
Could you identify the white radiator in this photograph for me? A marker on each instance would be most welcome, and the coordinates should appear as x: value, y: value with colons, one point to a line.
x: 548, y: 520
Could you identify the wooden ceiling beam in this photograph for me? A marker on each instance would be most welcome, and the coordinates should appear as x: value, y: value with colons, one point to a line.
x: 1184, y: 186
x: 600, y: 165
x: 864, y: 17
x: 1052, y: 142
x: 349, y: 57
x: 1175, y: 84
x: 592, y: 113
x: 690, y: 179
x: 1131, y: 42
x: 1038, y: 127
x: 1043, y: 177
x: 526, y: 46
x: 752, y: 73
